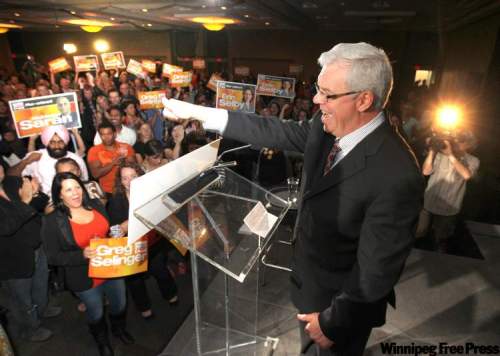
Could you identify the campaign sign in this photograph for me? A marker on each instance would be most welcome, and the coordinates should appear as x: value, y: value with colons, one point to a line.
x: 212, y: 83
x: 114, y: 258
x: 134, y: 67
x: 113, y: 60
x: 181, y: 79
x: 151, y: 99
x: 148, y: 66
x: 169, y: 69
x: 269, y: 85
x: 32, y: 115
x: 86, y: 63
x: 58, y: 65
x: 235, y: 96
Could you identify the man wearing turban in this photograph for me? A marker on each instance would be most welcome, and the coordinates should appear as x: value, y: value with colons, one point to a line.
x: 41, y: 163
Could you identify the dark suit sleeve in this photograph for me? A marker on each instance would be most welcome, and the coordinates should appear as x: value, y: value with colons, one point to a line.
x: 268, y: 132
x: 51, y: 244
x: 386, y: 239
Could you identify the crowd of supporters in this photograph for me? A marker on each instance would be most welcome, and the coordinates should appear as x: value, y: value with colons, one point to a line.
x: 60, y: 189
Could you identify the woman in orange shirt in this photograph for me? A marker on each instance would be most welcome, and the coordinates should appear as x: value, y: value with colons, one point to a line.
x: 66, y: 235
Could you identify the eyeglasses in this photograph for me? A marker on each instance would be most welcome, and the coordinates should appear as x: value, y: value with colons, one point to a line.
x: 333, y: 97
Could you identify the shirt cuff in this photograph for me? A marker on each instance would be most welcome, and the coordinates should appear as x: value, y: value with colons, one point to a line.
x: 214, y: 119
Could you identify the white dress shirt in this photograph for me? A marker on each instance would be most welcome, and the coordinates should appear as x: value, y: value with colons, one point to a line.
x: 45, y: 169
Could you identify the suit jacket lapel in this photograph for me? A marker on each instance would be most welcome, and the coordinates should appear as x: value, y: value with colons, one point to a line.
x: 347, y: 167
x: 354, y: 162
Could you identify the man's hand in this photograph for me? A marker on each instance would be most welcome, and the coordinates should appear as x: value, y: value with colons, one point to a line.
x: 180, y: 110
x: 26, y: 191
x: 314, y: 331
x: 89, y: 252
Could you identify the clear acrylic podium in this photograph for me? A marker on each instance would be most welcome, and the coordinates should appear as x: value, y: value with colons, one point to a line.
x: 208, y: 219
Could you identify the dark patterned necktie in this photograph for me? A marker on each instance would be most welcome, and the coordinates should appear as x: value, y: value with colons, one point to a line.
x: 331, y: 158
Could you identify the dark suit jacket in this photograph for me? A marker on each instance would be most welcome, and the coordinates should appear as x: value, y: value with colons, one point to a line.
x: 19, y: 238
x: 61, y: 248
x: 355, y: 226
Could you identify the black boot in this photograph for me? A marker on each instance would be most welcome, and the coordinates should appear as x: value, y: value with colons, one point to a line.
x: 99, y: 331
x: 118, y: 324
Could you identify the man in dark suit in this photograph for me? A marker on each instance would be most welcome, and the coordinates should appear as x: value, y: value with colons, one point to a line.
x: 361, y: 195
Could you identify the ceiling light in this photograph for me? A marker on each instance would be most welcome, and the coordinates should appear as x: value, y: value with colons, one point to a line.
x: 247, y: 16
x: 73, y: 12
x: 17, y: 14
x: 149, y: 25
x: 267, y: 23
x: 112, y: 18
x: 101, y: 45
x: 144, y: 10
x: 69, y: 48
x: 4, y: 27
x: 203, y: 6
x: 223, y: 8
x: 212, y: 23
x: 89, y: 25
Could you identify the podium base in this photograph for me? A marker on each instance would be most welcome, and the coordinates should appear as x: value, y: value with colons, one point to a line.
x: 213, y: 344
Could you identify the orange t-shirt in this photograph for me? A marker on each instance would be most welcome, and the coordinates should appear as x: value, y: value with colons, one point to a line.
x: 104, y: 156
x: 83, y: 233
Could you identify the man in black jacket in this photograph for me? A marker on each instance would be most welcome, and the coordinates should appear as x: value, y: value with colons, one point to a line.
x: 23, y: 264
x: 361, y: 194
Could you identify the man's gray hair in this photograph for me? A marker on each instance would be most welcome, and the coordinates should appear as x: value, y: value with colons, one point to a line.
x: 370, y: 69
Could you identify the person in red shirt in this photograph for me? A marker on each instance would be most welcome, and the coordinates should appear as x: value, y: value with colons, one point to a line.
x: 66, y: 235
x: 103, y: 159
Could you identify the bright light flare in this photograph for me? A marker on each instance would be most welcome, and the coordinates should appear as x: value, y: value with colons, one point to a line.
x: 101, y: 45
x: 449, y: 116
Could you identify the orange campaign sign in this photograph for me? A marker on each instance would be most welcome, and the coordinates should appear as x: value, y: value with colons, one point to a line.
x: 235, y: 96
x: 269, y: 85
x: 113, y: 60
x: 58, y: 65
x: 169, y: 69
x: 32, y: 115
x: 148, y: 66
x: 115, y: 258
x: 212, y: 83
x: 151, y: 99
x: 134, y: 67
x: 86, y: 63
x: 181, y: 79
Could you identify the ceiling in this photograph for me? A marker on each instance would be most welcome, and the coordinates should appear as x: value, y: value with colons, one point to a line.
x: 153, y: 15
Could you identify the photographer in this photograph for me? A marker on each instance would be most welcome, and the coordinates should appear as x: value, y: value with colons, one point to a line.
x: 449, y: 165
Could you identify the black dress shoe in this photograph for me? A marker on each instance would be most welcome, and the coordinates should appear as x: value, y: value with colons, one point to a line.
x: 125, y: 337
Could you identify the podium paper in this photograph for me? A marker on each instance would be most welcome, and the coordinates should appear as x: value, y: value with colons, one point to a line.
x: 259, y: 221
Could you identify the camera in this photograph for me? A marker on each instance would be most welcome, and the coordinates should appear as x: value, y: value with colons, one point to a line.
x: 437, y: 139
